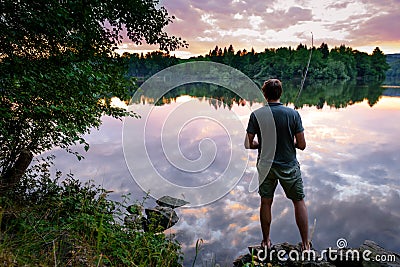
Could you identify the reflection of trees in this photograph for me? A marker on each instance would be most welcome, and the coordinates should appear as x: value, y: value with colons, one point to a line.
x: 337, y: 94
x: 217, y: 96
x: 200, y: 79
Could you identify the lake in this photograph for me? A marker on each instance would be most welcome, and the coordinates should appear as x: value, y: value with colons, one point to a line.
x: 193, y: 139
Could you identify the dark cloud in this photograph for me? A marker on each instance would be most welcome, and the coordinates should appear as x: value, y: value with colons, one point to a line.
x: 215, y: 6
x: 188, y: 19
x: 282, y: 19
x: 340, y: 5
x: 299, y: 14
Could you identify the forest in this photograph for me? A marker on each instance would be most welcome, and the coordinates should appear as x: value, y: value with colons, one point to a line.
x: 393, y: 73
x: 340, y: 63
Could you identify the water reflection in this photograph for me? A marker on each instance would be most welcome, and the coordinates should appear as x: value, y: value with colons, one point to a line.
x: 337, y: 94
x: 351, y: 174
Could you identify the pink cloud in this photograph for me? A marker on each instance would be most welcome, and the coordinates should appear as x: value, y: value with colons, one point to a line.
x: 381, y: 28
x: 282, y: 19
x: 244, y: 23
x: 350, y: 23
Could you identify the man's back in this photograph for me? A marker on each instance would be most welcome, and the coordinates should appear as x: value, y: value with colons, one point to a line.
x: 287, y: 123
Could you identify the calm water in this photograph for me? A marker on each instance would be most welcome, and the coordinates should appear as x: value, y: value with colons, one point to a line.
x: 351, y: 167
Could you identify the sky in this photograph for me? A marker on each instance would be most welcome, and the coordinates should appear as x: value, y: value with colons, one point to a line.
x: 246, y: 24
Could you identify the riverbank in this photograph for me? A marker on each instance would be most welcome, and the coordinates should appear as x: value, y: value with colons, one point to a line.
x: 62, y: 222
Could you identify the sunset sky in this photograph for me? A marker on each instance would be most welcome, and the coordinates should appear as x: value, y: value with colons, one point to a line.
x: 361, y: 24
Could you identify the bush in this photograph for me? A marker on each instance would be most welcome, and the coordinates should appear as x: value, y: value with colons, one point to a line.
x: 62, y: 222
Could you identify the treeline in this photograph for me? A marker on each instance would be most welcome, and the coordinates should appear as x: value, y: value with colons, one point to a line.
x: 284, y: 63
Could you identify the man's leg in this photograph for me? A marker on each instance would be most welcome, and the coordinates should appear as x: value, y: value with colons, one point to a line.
x: 300, y: 212
x: 266, y: 218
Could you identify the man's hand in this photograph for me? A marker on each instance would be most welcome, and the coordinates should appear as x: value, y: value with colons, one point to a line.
x: 249, y: 142
x: 300, y: 141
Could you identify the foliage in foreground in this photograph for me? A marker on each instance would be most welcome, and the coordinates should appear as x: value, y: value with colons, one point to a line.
x: 59, y: 71
x: 62, y: 222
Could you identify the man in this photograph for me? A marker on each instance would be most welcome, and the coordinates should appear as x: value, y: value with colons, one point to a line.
x: 278, y: 139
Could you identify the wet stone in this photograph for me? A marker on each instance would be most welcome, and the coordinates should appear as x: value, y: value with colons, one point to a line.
x: 171, y: 202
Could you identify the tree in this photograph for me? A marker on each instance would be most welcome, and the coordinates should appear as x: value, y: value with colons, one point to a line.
x: 324, y: 50
x: 231, y: 51
x: 229, y: 57
x: 220, y: 53
x: 225, y: 53
x: 59, y: 71
x: 363, y: 64
x: 214, y: 53
x: 378, y: 60
x: 345, y: 55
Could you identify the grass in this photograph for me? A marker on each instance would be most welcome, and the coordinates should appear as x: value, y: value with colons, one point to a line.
x: 59, y: 221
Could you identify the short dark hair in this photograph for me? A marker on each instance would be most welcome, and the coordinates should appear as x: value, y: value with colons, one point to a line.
x: 272, y: 89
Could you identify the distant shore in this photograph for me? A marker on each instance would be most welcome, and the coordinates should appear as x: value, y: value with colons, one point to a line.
x: 391, y: 86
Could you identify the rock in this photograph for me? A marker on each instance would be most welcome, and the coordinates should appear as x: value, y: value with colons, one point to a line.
x: 164, y: 217
x: 242, y: 260
x: 366, y: 255
x: 283, y: 254
x: 135, y: 219
x: 393, y: 259
x: 171, y: 202
x: 157, y: 219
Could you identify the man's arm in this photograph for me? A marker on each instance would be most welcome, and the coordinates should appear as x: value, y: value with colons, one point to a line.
x: 249, y: 142
x: 300, y: 141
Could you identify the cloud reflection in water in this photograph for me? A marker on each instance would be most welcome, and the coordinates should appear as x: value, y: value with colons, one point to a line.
x: 350, y: 169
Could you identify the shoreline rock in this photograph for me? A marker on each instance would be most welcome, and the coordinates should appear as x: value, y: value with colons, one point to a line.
x: 159, y: 218
x: 171, y: 202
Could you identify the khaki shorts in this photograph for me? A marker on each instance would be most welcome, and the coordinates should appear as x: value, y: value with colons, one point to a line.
x: 290, y: 180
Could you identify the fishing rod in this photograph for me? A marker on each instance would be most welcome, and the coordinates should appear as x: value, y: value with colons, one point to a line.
x: 312, y: 232
x: 305, y: 74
